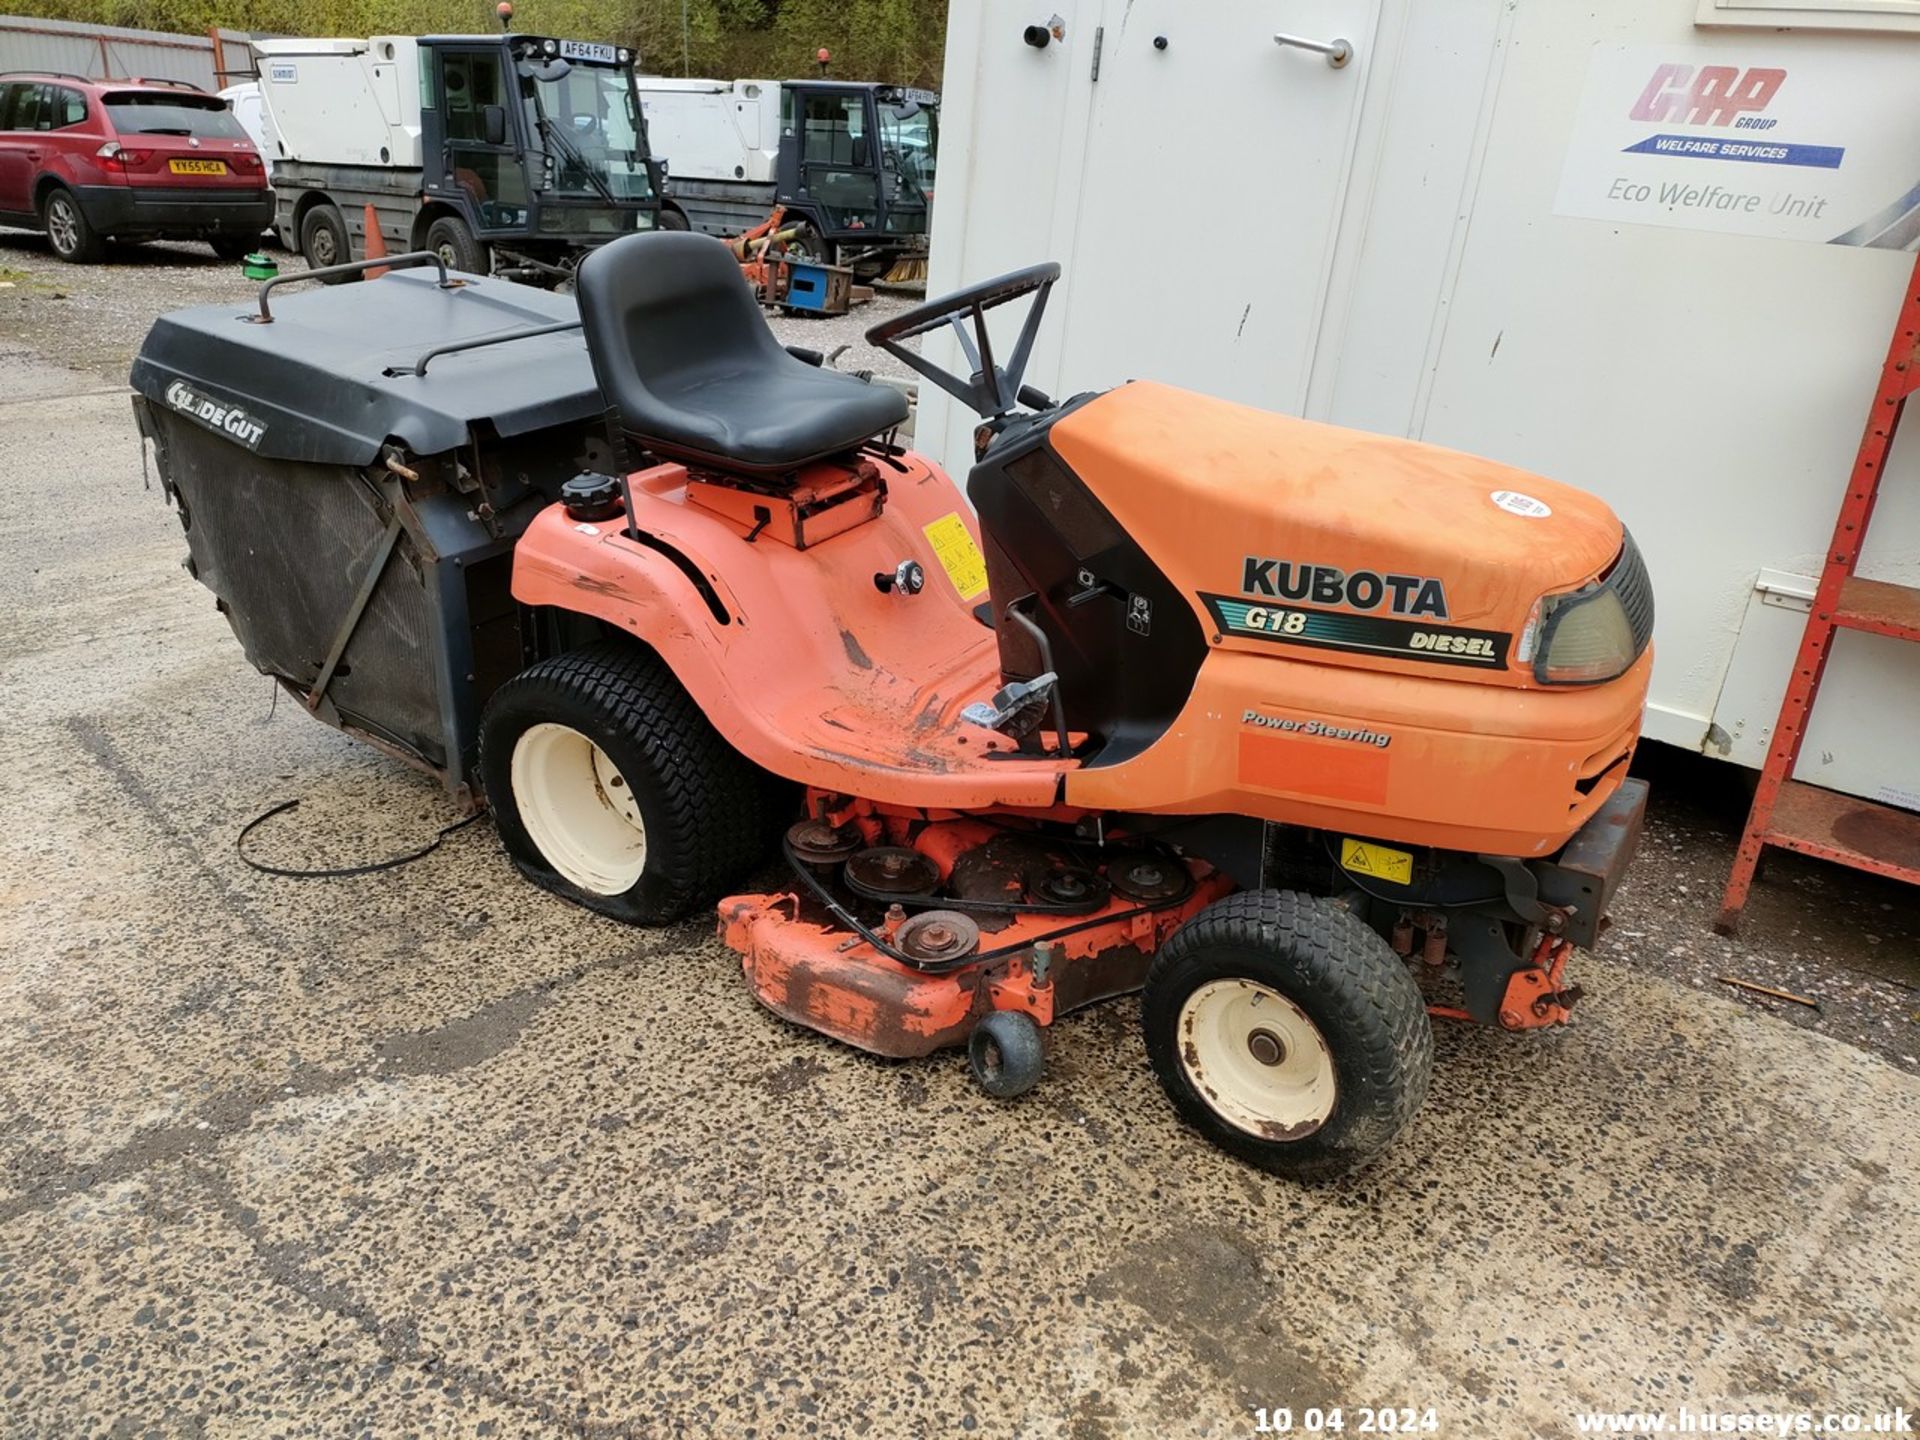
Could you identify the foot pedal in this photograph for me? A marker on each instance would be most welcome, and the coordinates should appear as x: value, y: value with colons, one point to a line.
x: 1015, y: 709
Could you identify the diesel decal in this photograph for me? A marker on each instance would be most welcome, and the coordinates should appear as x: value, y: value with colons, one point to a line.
x: 1362, y: 634
x: 1362, y: 590
x: 228, y: 420
x: 1452, y: 642
x: 1316, y: 727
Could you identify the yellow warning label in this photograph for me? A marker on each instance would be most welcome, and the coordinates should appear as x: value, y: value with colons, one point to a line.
x: 1364, y: 857
x: 953, y: 546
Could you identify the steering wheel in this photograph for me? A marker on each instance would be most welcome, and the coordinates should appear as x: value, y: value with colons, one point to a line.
x: 991, y: 390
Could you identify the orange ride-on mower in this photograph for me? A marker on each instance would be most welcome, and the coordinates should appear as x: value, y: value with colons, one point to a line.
x: 1286, y: 725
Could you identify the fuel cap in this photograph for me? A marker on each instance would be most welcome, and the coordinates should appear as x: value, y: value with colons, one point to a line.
x: 591, y: 497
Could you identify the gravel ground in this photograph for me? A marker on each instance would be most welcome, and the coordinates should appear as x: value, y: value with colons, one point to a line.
x: 93, y: 317
x: 1845, y: 940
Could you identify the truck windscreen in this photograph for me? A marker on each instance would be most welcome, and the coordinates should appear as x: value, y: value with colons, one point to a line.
x: 911, y: 134
x: 584, y: 119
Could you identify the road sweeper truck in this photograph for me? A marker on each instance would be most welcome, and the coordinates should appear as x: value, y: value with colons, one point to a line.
x: 850, y: 164
x: 512, y: 153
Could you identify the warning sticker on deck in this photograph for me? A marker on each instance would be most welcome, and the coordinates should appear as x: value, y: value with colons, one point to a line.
x: 1364, y: 857
x: 953, y: 546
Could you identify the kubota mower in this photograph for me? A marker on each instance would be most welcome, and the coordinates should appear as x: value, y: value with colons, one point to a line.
x: 1261, y: 716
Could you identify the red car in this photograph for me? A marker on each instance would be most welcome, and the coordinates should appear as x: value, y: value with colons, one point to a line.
x: 92, y: 160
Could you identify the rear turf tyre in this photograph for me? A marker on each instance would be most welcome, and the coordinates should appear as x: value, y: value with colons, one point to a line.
x: 1288, y: 1033
x: 324, y: 242
x: 450, y: 239
x: 609, y: 787
x: 1006, y: 1053
x: 72, y: 238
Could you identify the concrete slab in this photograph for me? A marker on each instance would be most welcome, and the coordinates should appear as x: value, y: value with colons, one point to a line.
x: 431, y: 1152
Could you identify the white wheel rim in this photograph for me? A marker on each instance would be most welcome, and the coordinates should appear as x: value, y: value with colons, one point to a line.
x: 1256, y: 1059
x: 578, y: 809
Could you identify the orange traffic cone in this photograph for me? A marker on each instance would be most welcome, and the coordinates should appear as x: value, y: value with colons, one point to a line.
x: 376, y: 244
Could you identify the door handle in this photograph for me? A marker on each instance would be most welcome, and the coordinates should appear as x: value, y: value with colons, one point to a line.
x: 1338, y: 52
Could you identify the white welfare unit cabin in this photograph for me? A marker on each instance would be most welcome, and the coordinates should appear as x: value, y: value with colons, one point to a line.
x: 1653, y: 248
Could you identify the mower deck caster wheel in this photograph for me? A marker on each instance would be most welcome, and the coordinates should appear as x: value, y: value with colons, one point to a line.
x: 1006, y: 1054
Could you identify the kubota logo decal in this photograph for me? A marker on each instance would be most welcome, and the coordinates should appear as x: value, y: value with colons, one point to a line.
x: 1711, y: 95
x: 1360, y: 590
x: 1359, y: 627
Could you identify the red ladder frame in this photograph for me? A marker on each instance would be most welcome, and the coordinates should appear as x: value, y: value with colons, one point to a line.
x: 1787, y: 813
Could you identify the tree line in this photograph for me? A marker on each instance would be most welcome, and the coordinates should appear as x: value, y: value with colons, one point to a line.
x: 894, y: 40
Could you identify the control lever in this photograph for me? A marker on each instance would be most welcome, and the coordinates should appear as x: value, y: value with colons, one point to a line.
x: 1092, y: 587
x: 908, y: 577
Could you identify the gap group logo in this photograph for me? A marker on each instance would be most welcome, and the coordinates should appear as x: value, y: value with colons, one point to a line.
x: 1709, y: 95
x: 1777, y: 137
x: 1723, y: 97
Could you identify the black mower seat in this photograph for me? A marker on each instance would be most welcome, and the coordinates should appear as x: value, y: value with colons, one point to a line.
x: 690, y: 369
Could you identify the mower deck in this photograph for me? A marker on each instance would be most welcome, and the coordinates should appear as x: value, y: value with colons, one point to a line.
x: 899, y: 986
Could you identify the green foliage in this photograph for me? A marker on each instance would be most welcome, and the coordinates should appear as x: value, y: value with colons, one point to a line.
x: 893, y: 40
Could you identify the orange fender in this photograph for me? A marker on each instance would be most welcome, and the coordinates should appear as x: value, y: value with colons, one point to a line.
x: 798, y: 658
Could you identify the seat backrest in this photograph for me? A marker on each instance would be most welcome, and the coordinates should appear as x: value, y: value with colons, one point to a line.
x: 689, y: 369
x: 654, y: 307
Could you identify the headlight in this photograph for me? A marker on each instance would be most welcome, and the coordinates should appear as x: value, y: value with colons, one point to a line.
x: 551, y: 47
x: 1585, y: 636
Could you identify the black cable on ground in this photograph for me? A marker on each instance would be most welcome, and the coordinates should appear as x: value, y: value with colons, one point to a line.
x: 346, y: 872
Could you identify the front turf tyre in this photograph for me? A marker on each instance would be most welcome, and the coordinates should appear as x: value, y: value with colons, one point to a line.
x: 609, y: 787
x: 233, y: 247
x: 72, y: 238
x: 1288, y: 1033
x: 450, y: 239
